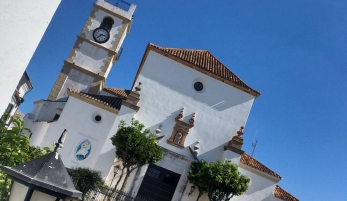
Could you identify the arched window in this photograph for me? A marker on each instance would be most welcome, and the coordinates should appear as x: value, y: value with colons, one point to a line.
x: 107, y: 23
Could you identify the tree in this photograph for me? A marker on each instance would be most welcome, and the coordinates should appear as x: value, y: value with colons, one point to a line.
x: 14, y: 148
x: 135, y: 147
x: 85, y: 179
x: 221, y: 181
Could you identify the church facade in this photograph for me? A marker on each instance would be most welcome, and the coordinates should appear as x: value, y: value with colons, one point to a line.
x: 194, y: 104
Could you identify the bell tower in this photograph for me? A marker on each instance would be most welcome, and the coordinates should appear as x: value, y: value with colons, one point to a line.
x: 96, y: 50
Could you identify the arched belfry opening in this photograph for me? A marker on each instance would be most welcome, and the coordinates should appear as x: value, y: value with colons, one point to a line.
x: 107, y: 23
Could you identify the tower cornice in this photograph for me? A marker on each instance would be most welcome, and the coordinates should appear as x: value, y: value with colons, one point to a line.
x: 79, y: 37
x: 111, y: 13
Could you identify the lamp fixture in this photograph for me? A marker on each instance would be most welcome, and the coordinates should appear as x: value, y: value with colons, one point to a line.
x: 192, y: 189
x: 116, y: 169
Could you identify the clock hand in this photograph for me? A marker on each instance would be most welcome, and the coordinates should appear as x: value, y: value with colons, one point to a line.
x: 100, y: 36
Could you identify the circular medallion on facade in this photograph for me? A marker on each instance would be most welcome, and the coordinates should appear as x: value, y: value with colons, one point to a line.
x: 83, y: 150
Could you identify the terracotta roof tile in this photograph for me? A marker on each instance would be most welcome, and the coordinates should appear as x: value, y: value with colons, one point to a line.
x: 204, y: 60
x: 121, y: 93
x: 250, y: 161
x: 284, y: 195
x: 109, y: 101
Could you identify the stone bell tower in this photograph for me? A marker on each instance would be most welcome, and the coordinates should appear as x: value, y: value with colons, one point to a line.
x: 96, y: 50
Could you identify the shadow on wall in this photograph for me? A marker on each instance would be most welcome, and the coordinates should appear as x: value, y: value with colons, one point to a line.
x: 213, y: 155
x: 107, y: 161
x: 168, y: 121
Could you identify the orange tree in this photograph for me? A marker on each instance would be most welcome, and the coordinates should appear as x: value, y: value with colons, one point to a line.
x: 220, y: 181
x: 135, y: 147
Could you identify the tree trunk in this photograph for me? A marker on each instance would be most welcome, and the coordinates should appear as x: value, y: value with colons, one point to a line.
x: 4, y: 189
x: 199, y: 195
x: 115, y: 187
x: 125, y: 180
x: 123, y: 185
x: 120, y: 178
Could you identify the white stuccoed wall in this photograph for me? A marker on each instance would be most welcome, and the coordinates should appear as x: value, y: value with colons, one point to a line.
x: 90, y: 57
x: 167, y: 86
x: 260, y: 188
x: 45, y: 110
x: 19, y: 17
x: 77, y: 117
x: 77, y: 81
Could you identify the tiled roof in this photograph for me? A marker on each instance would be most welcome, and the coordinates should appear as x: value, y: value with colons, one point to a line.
x: 121, y: 93
x: 250, y: 161
x: 207, y: 63
x: 109, y: 101
x: 284, y: 195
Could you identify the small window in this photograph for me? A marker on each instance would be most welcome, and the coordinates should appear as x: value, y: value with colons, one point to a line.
x: 98, y: 118
x: 56, y: 117
x: 107, y: 23
x: 198, y: 86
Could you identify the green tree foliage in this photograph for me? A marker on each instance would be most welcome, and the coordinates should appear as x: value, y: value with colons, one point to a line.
x: 14, y: 148
x: 85, y: 179
x: 221, y: 181
x: 136, y: 147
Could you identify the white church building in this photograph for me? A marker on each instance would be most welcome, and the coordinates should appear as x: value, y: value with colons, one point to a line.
x: 196, y: 106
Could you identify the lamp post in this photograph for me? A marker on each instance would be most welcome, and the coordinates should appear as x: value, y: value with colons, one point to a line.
x: 192, y: 188
x: 44, y: 178
x: 116, y: 169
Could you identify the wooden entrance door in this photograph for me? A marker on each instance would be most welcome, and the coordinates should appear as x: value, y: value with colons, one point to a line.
x: 158, y: 184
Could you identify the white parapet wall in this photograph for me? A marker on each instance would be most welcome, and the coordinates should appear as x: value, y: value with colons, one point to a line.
x: 22, y: 26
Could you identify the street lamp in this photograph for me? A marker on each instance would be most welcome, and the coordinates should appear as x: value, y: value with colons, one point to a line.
x: 192, y: 188
x: 116, y: 169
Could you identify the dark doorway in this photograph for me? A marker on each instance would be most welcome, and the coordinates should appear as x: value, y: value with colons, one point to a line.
x: 158, y: 184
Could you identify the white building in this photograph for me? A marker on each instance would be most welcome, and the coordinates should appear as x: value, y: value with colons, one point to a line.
x: 23, y: 87
x: 22, y: 26
x: 194, y: 103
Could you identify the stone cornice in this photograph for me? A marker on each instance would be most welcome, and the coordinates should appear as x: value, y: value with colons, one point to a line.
x: 79, y: 37
x: 112, y: 13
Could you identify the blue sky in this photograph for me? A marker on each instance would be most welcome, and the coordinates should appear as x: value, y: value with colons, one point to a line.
x: 294, y: 52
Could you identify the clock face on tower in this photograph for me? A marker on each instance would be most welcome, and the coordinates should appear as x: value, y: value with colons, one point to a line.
x: 101, y: 35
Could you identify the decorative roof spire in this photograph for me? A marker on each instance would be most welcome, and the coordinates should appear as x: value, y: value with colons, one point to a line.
x: 240, y: 132
x: 46, y: 174
x: 235, y: 144
x: 196, y: 148
x: 180, y: 115
x: 192, y: 120
x: 158, y: 130
x: 138, y: 87
x: 60, y: 142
